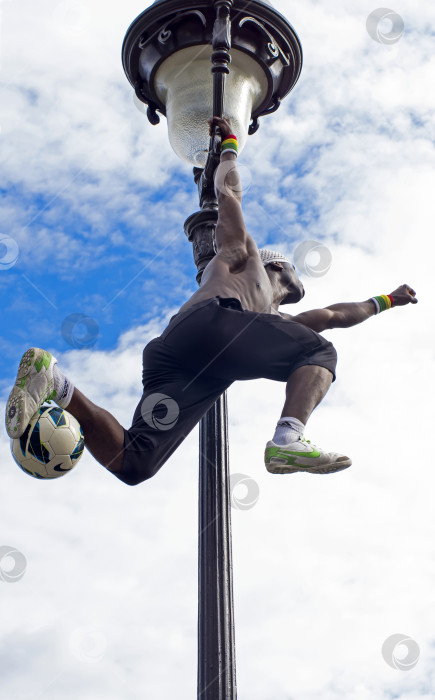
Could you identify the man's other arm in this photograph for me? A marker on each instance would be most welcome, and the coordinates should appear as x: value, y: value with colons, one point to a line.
x: 350, y: 314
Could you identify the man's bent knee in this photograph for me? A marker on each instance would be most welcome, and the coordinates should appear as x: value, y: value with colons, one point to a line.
x: 323, y: 356
x: 133, y: 477
x: 130, y: 479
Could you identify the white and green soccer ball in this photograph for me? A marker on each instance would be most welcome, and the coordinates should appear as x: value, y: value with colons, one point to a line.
x: 51, y: 445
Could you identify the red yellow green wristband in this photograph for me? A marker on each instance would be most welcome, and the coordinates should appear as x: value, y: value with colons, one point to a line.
x: 383, y: 302
x: 230, y: 145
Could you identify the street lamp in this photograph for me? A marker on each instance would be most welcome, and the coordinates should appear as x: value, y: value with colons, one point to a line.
x: 256, y: 59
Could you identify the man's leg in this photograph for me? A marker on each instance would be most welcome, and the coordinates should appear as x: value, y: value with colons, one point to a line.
x: 289, y: 451
x: 305, y: 389
x: 104, y: 436
x: 132, y: 455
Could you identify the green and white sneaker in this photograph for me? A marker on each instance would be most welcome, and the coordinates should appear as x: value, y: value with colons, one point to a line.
x: 34, y: 386
x: 302, y: 456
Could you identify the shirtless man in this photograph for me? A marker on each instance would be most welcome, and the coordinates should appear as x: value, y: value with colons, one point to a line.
x: 230, y: 329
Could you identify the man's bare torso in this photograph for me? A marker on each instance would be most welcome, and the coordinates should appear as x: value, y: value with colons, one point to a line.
x: 249, y: 284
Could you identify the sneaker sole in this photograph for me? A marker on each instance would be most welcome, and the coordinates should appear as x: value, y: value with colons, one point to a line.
x: 31, y: 362
x: 275, y: 468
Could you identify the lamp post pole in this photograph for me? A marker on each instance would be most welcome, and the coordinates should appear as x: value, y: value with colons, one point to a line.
x: 216, y: 643
x: 267, y: 59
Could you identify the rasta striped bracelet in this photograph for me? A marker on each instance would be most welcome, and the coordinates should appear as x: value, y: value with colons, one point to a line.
x: 383, y: 302
x: 230, y: 145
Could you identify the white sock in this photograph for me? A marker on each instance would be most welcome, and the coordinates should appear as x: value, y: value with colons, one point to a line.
x: 287, y: 430
x: 63, y: 387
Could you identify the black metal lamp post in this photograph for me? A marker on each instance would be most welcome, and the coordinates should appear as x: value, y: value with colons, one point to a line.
x: 256, y: 60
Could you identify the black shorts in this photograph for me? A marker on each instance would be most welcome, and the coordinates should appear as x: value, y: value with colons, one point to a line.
x: 200, y: 354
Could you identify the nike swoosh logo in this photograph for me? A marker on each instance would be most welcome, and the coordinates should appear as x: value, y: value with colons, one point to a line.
x: 289, y: 455
x: 313, y: 453
x: 58, y: 468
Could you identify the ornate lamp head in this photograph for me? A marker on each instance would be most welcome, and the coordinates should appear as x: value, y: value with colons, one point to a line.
x: 166, y: 57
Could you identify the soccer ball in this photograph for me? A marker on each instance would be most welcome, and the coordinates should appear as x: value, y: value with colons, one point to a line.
x: 51, y: 445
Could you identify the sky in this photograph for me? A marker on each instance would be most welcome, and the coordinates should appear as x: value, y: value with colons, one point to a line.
x: 326, y: 568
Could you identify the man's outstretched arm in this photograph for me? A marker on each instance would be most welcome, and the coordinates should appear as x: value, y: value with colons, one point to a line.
x: 232, y: 238
x: 350, y: 314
